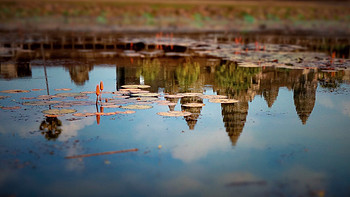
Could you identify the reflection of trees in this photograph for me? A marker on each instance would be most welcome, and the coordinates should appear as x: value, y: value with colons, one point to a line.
x: 331, y: 80
x: 79, y: 73
x: 51, y: 128
x: 233, y: 78
x: 149, y: 69
x: 187, y: 74
x: 305, y: 95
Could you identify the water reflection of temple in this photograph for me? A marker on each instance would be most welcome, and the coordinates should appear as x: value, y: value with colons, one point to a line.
x: 10, y: 70
x: 79, y: 74
x: 195, y: 111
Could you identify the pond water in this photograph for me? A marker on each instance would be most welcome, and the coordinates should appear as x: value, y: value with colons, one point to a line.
x: 288, y: 134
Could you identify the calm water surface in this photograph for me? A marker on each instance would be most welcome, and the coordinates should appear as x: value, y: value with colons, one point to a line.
x: 287, y: 136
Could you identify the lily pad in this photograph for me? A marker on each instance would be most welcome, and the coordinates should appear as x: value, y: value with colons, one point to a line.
x: 27, y: 98
x: 45, y: 97
x: 11, y: 108
x: 14, y: 91
x: 135, y: 86
x: 174, y: 113
x: 190, y: 94
x: 35, y: 103
x: 146, y: 94
x: 213, y: 97
x: 223, y: 101
x: 145, y: 98
x: 88, y: 92
x: 37, y: 89
x: 137, y: 107
x: 70, y: 94
x: 59, y: 111
x: 84, y: 114
x: 63, y: 89
x: 111, y: 106
x: 193, y: 105
x: 173, y: 96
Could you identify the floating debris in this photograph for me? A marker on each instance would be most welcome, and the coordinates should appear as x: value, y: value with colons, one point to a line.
x: 193, y: 105
x: 3, y: 97
x: 135, y: 86
x: 14, y: 91
x: 63, y: 89
x: 174, y: 113
x: 213, y: 97
x: 223, y: 101
x: 41, y: 103
x: 37, y: 89
x: 103, y: 153
x: 59, y: 111
x: 137, y: 107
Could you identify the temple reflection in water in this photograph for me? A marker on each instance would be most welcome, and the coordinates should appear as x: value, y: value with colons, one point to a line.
x: 178, y: 75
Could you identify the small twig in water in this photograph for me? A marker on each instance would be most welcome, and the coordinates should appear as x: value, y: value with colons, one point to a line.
x: 103, y: 153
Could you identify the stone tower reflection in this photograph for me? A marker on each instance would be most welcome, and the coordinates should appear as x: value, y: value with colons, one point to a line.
x: 305, y: 94
x: 234, y: 117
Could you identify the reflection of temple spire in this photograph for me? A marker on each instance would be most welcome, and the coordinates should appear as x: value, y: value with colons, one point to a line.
x: 196, y: 111
x: 270, y: 95
x: 79, y: 73
x: 234, y: 117
x: 305, y: 95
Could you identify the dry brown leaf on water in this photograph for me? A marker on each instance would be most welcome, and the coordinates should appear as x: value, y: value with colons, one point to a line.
x: 62, y: 106
x: 174, y: 113
x: 37, y: 103
x: 223, y: 101
x: 62, y: 89
x: 45, y: 97
x: 11, y: 108
x: 52, y: 115
x: 69, y: 94
x: 137, y: 107
x: 144, y: 98
x: 81, y: 97
x: 28, y: 98
x: 111, y: 106
x: 120, y: 97
x: 37, y: 89
x: 84, y: 114
x: 125, y: 112
x: 213, y: 97
x: 146, y: 94
x: 88, y: 92
x: 135, y: 86
x: 59, y: 111
x: 193, y: 105
x: 14, y: 91
x: 190, y: 94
